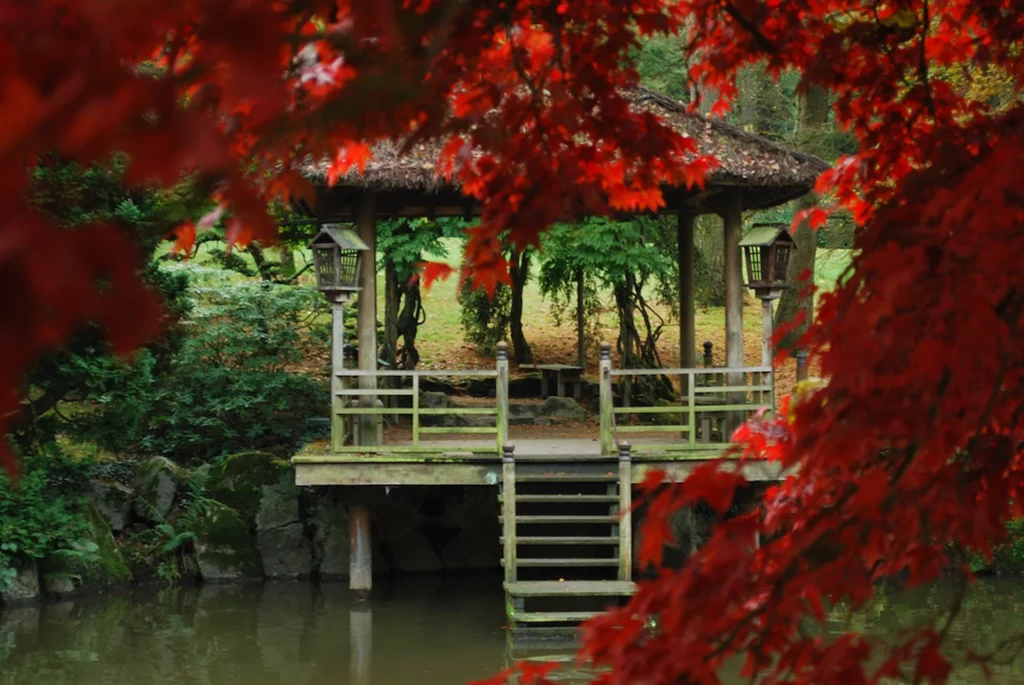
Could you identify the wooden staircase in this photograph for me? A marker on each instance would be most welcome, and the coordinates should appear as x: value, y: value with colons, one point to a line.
x: 567, y: 544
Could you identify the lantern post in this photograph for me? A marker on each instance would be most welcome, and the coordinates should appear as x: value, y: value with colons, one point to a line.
x: 767, y: 248
x: 337, y: 253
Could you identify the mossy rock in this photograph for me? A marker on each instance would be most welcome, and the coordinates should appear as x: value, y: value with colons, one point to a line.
x: 157, y: 484
x: 89, y: 572
x: 238, y: 481
x: 564, y: 408
x: 225, y: 548
x: 112, y: 500
x: 24, y: 587
x: 111, y: 560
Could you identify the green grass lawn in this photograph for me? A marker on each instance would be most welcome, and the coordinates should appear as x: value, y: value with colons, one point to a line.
x: 829, y: 265
x: 442, y: 344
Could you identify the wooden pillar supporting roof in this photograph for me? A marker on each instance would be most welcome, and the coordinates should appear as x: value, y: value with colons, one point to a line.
x: 366, y: 223
x: 360, y: 562
x: 687, y: 292
x: 733, y: 221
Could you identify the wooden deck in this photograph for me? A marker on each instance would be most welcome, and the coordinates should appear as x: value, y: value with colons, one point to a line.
x: 565, y: 503
x: 456, y: 463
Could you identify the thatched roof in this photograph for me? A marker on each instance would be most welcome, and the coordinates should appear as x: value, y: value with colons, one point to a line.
x: 769, y: 172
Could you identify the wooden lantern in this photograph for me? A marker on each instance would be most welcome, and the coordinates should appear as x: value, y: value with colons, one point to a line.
x: 767, y: 248
x: 337, y: 256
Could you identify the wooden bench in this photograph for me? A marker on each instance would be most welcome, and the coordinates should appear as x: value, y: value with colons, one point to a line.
x: 558, y: 376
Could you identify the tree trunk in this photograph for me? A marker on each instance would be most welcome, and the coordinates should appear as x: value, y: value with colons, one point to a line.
x: 814, y: 125
x: 519, y: 272
x: 410, y: 319
x: 287, y: 262
x: 581, y: 326
x: 391, y: 303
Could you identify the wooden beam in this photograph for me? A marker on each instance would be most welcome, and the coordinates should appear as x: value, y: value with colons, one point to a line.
x: 366, y: 222
x: 371, y: 472
x: 687, y: 293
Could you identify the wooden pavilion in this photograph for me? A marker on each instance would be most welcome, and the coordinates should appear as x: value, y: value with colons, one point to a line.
x: 753, y: 173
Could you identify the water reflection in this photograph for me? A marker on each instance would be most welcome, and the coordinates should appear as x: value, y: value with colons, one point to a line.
x: 423, y: 632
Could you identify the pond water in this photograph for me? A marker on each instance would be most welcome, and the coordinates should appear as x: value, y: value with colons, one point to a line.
x: 415, y: 632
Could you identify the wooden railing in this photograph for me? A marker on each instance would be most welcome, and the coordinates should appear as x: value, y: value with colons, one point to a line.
x: 360, y: 403
x: 713, y: 402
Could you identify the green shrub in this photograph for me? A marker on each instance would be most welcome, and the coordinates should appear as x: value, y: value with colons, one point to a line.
x: 235, y: 383
x: 485, y: 320
x: 41, y: 514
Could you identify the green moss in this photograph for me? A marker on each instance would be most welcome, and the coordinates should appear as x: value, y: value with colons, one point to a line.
x: 110, y: 558
x: 225, y: 542
x: 106, y: 565
x: 238, y: 481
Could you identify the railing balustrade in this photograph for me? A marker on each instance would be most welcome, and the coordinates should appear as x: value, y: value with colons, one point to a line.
x: 711, y: 403
x: 714, y: 401
x: 354, y: 400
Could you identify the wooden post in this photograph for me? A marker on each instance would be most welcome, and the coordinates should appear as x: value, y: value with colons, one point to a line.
x: 801, y: 365
x: 508, y: 510
x: 366, y: 221
x: 709, y: 354
x: 733, y: 222
x: 709, y: 362
x: 625, y: 512
x: 360, y: 569
x: 766, y: 332
x: 415, y: 410
x: 581, y: 327
x: 360, y: 625
x: 337, y: 367
x: 501, y: 394
x: 607, y: 412
x: 766, y: 349
x: 687, y: 293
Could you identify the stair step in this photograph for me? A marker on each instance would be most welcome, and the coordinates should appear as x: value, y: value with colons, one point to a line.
x: 554, y: 616
x: 566, y: 498
x: 583, y: 518
x: 563, y: 540
x: 574, y: 588
x: 552, y: 476
x: 567, y: 458
x: 567, y: 563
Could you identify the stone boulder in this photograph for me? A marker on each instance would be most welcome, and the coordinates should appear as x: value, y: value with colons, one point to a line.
x: 157, y: 483
x: 564, y: 408
x: 238, y: 480
x: 331, y: 538
x: 112, y: 500
x: 225, y: 548
x: 436, y: 400
x: 280, y: 535
x: 23, y: 587
x: 286, y: 552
